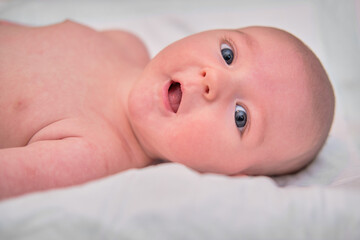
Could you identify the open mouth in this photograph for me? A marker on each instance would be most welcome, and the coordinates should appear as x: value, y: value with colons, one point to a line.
x: 175, y: 95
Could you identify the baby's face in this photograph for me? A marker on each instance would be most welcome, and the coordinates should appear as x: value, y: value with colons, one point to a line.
x: 224, y: 101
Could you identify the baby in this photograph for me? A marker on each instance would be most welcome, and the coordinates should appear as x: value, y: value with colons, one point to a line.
x: 78, y: 104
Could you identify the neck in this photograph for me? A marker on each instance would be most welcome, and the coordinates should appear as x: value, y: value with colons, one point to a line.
x: 139, y: 157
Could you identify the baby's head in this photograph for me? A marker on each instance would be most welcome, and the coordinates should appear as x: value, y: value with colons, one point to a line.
x: 252, y: 101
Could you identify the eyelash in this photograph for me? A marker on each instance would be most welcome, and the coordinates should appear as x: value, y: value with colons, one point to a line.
x: 247, y: 117
x: 227, y: 40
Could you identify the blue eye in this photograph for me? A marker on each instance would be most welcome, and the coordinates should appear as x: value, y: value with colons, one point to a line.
x: 240, y: 117
x: 227, y: 53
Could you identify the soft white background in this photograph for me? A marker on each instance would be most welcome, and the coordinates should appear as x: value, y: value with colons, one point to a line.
x: 172, y: 202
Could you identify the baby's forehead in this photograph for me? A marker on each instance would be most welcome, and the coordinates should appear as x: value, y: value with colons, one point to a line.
x: 275, y: 38
x: 270, y: 32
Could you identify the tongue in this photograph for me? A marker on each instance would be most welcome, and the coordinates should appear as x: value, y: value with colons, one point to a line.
x: 175, y: 96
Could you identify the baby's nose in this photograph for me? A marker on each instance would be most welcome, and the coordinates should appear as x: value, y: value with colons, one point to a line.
x: 209, y: 84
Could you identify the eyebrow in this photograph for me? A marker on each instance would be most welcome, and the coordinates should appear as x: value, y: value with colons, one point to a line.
x: 247, y: 38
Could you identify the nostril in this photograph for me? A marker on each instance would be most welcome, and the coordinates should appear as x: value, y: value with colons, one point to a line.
x: 207, y: 90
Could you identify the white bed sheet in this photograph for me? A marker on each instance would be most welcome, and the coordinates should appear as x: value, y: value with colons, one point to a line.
x: 172, y: 202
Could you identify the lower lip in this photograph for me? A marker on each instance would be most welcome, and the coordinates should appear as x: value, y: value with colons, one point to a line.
x: 165, y: 96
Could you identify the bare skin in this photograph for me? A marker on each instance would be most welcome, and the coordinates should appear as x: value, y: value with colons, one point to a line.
x: 77, y: 104
x: 63, y: 105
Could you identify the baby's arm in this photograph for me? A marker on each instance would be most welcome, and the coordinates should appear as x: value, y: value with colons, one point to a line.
x: 48, y: 164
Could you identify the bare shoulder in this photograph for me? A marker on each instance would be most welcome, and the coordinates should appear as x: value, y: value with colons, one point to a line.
x: 132, y: 46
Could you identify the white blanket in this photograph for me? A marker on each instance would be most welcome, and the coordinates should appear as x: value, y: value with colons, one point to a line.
x: 170, y: 201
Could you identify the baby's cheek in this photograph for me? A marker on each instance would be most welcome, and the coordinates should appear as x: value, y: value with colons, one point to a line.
x: 195, y: 144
